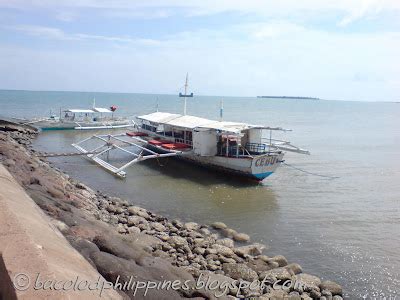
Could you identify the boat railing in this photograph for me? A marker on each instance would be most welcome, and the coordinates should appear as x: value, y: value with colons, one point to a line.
x: 183, y: 141
x: 256, y: 147
x: 260, y: 148
x: 233, y: 151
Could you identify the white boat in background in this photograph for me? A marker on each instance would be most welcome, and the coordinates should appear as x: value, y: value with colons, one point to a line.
x: 83, y: 119
x: 238, y: 148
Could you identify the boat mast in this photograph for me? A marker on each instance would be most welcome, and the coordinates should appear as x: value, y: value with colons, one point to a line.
x: 221, y: 110
x: 184, y: 99
x: 185, y: 95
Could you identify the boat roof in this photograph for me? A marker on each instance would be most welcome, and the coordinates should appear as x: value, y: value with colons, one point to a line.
x: 102, y: 110
x: 192, y: 122
x: 80, y: 110
x: 90, y: 111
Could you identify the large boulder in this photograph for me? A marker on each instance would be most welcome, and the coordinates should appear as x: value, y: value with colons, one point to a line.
x: 239, y: 271
x: 136, y: 220
x: 274, y: 275
x: 332, y: 287
x: 178, y: 242
x: 223, y: 250
x: 138, y: 211
x: 253, y: 249
x: 308, y: 282
x: 218, y: 225
x: 295, y: 268
x: 191, y: 226
x: 280, y: 259
x: 227, y: 242
x: 241, y: 237
x: 258, y: 265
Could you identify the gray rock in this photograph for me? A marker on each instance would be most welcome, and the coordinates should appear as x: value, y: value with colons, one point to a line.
x: 227, y: 242
x: 274, y: 295
x: 315, y: 294
x: 228, y: 232
x: 121, y: 229
x: 204, y: 231
x: 258, y: 265
x: 178, y: 224
x: 119, y: 210
x: 296, y: 268
x: 218, y: 225
x: 223, y: 250
x: 211, y: 251
x: 241, y: 237
x: 239, y: 271
x: 273, y: 264
x: 337, y: 297
x: 305, y: 296
x: 111, y: 208
x: 326, y: 293
x: 280, y: 259
x: 138, y: 211
x: 113, y: 219
x: 221, y: 291
x: 199, y: 250
x: 177, y: 242
x: 332, y: 287
x: 309, y: 282
x: 253, y: 249
x: 136, y: 220
x: 276, y: 274
x: 191, y: 226
x: 157, y: 226
x: 133, y: 230
x: 122, y: 220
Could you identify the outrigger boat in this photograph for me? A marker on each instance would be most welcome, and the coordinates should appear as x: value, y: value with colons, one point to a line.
x: 238, y: 148
x: 83, y: 119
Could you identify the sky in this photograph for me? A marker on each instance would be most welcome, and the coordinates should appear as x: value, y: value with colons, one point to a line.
x: 341, y: 49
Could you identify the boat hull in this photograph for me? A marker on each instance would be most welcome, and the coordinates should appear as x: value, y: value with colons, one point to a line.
x: 48, y: 125
x: 256, y: 168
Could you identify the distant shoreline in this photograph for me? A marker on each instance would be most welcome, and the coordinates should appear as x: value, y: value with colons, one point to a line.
x: 288, y: 97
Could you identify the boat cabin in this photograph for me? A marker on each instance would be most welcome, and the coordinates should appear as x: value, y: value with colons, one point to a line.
x: 208, y: 137
x: 87, y: 115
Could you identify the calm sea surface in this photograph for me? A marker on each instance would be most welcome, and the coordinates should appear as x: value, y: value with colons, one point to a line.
x: 345, y: 229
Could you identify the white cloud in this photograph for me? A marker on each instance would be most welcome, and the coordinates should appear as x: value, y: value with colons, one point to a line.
x: 276, y: 29
x: 350, y: 10
x: 366, y: 8
x: 58, y: 34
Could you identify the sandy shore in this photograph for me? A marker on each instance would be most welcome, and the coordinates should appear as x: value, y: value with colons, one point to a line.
x: 122, y: 240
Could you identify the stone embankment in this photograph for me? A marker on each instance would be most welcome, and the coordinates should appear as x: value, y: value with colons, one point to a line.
x: 123, y: 241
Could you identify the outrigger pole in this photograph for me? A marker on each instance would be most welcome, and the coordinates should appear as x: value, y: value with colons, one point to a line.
x: 115, y: 142
x: 186, y: 94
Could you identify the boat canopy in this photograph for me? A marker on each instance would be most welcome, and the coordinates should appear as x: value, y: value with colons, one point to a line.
x: 102, y: 110
x: 77, y: 111
x: 159, y: 117
x: 89, y: 111
x: 192, y: 122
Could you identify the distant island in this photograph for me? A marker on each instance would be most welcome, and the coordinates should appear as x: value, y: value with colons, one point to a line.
x: 288, y: 97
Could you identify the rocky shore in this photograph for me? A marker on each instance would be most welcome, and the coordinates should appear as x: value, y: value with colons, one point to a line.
x: 124, y: 241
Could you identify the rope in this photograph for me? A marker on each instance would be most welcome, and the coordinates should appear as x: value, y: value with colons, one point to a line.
x: 310, y: 173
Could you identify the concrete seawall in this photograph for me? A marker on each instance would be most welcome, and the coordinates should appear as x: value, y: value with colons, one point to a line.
x: 30, y: 244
